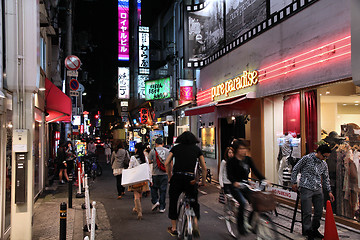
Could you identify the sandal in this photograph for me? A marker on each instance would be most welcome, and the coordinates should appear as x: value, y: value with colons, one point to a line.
x: 172, y: 233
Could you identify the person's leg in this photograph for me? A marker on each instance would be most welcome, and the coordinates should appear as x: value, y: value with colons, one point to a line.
x: 236, y: 193
x: 192, y: 192
x: 65, y: 174
x: 174, y: 192
x: 122, y: 189
x: 61, y: 174
x: 317, y: 201
x: 163, y: 187
x: 306, y: 208
x: 154, y: 189
x: 137, y: 200
x: 118, y: 185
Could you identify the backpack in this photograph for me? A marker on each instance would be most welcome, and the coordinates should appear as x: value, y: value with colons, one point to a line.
x: 160, y: 165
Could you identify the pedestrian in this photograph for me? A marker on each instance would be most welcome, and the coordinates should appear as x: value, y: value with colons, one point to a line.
x: 182, y: 177
x: 238, y: 169
x: 157, y: 157
x: 61, y: 161
x: 70, y: 157
x: 118, y: 159
x: 91, y: 147
x: 107, y: 147
x: 138, y: 189
x: 314, y: 172
x: 223, y: 178
x: 147, y: 150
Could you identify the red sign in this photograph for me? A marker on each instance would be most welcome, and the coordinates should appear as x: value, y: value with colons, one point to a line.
x: 81, y: 129
x: 144, y: 115
x: 74, y: 84
x: 186, y: 93
x: 72, y: 62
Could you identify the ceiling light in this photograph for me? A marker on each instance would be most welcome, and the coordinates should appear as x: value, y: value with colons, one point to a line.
x: 356, y: 104
x: 42, y: 89
x: 84, y: 93
x: 357, y: 101
x: 344, y: 104
x: 327, y: 92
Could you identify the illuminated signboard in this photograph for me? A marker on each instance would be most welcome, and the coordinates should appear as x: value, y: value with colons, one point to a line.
x: 247, y: 79
x: 157, y: 89
x: 76, y: 120
x: 141, y: 85
x: 144, y: 43
x: 123, y: 11
x: 186, y: 90
x: 139, y: 10
x: 123, y: 83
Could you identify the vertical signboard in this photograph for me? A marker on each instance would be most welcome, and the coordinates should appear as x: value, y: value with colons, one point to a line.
x: 141, y: 85
x: 186, y: 90
x: 144, y: 43
x: 123, y: 11
x: 139, y: 11
x: 123, y: 83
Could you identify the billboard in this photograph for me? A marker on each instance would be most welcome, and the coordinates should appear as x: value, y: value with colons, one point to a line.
x: 141, y: 85
x: 123, y: 32
x: 157, y: 89
x: 144, y: 44
x: 123, y: 83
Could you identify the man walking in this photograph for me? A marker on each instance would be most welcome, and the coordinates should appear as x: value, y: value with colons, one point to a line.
x: 314, y: 171
x: 157, y: 156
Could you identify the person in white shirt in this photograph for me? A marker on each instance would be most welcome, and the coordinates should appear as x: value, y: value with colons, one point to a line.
x: 107, y: 151
x: 223, y: 179
x: 91, y: 147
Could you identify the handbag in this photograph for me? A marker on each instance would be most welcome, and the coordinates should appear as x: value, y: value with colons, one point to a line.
x: 117, y: 171
x: 135, y: 175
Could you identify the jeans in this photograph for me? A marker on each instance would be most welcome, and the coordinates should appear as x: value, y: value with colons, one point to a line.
x: 179, y: 184
x: 240, y: 195
x: 119, y: 187
x: 160, y: 183
x: 308, y: 198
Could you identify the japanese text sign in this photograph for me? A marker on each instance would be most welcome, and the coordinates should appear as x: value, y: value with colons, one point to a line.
x: 144, y: 43
x: 141, y: 85
x: 157, y: 89
x: 123, y: 11
x: 144, y: 115
x: 123, y: 83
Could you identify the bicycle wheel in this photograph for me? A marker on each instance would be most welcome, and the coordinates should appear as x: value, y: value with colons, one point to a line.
x: 188, y: 227
x: 230, y: 218
x: 181, y: 216
x: 265, y: 228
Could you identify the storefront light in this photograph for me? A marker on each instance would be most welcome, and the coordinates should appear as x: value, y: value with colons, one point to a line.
x: 327, y: 92
x: 356, y: 104
x: 9, y: 125
x: 344, y: 104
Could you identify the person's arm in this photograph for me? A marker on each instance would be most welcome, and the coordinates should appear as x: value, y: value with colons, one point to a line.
x: 151, y: 156
x: 295, y: 172
x: 257, y: 173
x: 168, y: 165
x: 203, y: 169
x: 326, y: 180
x: 221, y: 173
x: 230, y: 169
x: 112, y: 159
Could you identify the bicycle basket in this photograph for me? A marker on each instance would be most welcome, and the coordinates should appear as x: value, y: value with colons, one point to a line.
x: 263, y: 201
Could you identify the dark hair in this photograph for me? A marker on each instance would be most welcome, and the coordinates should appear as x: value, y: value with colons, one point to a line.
x: 188, y: 138
x: 324, y: 148
x: 120, y: 144
x: 140, y: 152
x: 239, y: 142
x: 226, y: 155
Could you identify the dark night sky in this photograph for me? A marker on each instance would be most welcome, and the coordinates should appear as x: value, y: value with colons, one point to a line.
x: 95, y: 33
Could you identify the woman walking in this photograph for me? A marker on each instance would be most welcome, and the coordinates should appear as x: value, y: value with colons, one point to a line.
x: 138, y: 189
x: 107, y: 147
x: 118, y: 159
x: 223, y: 179
x: 61, y: 160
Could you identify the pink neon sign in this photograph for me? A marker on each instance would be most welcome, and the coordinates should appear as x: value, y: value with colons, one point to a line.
x: 123, y: 11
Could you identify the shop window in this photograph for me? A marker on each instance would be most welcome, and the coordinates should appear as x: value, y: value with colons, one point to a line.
x: 340, y: 129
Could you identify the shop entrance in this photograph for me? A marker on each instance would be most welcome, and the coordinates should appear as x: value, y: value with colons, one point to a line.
x: 233, y: 127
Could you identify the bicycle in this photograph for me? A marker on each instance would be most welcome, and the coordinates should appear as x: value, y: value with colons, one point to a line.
x: 186, y: 217
x: 258, y: 220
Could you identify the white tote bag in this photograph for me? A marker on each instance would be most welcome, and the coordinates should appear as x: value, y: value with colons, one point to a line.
x: 135, y: 175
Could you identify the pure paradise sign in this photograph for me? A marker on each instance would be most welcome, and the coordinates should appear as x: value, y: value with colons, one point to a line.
x: 157, y: 89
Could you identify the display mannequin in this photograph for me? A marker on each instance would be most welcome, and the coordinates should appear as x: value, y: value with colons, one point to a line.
x: 285, y: 150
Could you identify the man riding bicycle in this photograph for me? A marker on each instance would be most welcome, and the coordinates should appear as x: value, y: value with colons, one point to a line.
x: 238, y: 169
x: 182, y: 178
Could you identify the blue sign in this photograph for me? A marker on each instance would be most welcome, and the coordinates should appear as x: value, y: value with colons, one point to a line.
x: 132, y: 146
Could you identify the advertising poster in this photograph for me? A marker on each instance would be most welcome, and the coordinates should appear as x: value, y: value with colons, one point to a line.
x: 243, y: 15
x: 154, y: 135
x: 208, y: 142
x: 206, y: 30
x: 157, y: 89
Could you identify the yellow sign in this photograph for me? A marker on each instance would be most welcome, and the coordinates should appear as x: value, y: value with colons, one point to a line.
x: 247, y: 79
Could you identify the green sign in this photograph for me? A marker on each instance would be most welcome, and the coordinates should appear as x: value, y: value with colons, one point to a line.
x: 157, y: 89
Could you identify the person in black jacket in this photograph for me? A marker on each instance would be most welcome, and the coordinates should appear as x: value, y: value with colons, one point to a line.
x: 238, y: 169
x: 61, y: 160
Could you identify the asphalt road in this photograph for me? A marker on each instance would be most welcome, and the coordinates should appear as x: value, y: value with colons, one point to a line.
x: 124, y: 225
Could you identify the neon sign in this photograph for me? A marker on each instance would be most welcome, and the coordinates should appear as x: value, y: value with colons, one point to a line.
x: 247, y: 79
x: 123, y: 11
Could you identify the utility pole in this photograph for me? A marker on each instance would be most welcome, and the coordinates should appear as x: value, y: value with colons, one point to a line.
x: 68, y: 51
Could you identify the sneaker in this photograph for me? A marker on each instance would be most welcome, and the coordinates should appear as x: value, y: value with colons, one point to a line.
x: 162, y: 210
x: 155, y: 206
x: 172, y: 233
x: 62, y: 182
x: 317, y: 234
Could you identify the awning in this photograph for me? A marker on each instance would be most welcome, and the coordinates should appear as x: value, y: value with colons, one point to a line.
x: 57, y: 104
x: 184, y: 105
x: 208, y: 108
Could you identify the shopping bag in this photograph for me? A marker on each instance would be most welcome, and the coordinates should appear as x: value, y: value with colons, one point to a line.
x: 135, y: 175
